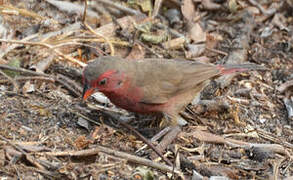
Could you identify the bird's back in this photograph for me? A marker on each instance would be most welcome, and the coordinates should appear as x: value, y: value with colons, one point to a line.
x: 162, y: 79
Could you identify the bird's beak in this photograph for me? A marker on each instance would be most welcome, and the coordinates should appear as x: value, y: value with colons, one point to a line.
x: 87, y: 91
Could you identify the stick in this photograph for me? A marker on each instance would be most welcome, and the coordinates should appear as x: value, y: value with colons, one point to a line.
x: 47, y: 46
x: 147, y: 142
x: 15, y: 85
x: 129, y: 157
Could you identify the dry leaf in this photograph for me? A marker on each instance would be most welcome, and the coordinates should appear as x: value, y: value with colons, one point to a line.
x: 28, y: 87
x: 197, y: 34
x: 187, y: 10
x: 174, y: 43
x: 253, y: 10
x: 154, y: 38
x: 210, y: 5
x: 72, y: 8
x: 145, y: 5
x: 44, y: 64
x: 96, y: 134
x: 212, y: 40
x: 280, y: 21
x: 81, y: 142
x: 195, y: 50
x: 233, y: 6
x: 83, y: 123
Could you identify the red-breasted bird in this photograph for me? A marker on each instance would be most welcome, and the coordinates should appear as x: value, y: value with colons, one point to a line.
x: 152, y: 85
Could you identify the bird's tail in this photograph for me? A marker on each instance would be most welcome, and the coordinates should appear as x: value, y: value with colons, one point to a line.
x: 231, y: 68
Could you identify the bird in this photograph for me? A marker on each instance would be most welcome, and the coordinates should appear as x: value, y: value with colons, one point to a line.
x: 152, y: 85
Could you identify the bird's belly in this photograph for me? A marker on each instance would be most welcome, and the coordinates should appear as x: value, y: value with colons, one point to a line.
x: 132, y: 104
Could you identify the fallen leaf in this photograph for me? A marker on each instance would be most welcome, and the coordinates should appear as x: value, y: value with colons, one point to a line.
x: 28, y: 87
x: 81, y: 142
x: 83, y: 123
x: 212, y: 40
x: 194, y: 50
x: 210, y: 5
x: 187, y: 10
x: 196, y: 33
x: 233, y: 6
x: 174, y: 43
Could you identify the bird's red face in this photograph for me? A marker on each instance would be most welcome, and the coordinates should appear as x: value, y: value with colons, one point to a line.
x: 109, y: 81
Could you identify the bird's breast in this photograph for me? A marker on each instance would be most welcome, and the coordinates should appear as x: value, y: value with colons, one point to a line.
x: 130, y: 99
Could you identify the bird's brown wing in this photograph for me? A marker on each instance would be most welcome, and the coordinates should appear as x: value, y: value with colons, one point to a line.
x: 163, y: 79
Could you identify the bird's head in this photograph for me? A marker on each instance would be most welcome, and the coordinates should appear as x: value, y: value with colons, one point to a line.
x: 103, y: 75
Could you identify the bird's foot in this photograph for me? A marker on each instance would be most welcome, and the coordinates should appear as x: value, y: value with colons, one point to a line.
x: 172, y: 120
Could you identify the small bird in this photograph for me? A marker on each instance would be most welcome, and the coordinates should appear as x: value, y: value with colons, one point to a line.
x: 152, y: 85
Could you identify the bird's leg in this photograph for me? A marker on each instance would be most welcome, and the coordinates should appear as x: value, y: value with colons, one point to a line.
x: 126, y: 125
x: 147, y: 142
x: 175, y: 129
x: 173, y: 120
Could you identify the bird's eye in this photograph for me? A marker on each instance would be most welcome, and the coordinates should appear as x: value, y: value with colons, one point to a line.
x: 103, y: 81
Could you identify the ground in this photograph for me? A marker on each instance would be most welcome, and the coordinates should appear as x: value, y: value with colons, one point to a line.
x: 241, y: 128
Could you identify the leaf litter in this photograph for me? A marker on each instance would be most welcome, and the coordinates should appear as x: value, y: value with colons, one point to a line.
x: 239, y: 128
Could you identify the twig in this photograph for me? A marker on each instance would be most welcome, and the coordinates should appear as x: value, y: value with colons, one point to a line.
x: 30, y: 158
x: 263, y: 10
x: 272, y: 137
x: 283, y: 87
x: 129, y: 157
x: 157, y: 6
x: 84, y: 12
x: 216, y: 105
x: 69, y: 84
x: 15, y: 85
x: 84, y: 117
x: 120, y: 7
x: 22, y: 70
x: 6, y: 50
x: 217, y: 51
x: 276, y: 166
x: 104, y: 37
x: 172, y: 31
x: 161, y: 134
x: 91, y: 39
x: 44, y: 172
x: 47, y: 46
x: 156, y: 137
x: 40, y: 78
x: 66, y: 30
x: 168, y: 138
x: 43, y: 37
x: 147, y: 142
x: 177, y: 160
x: 96, y: 33
x: 107, y: 112
x: 24, y: 12
x: 17, y: 147
x: 211, y: 138
x: 112, y: 114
